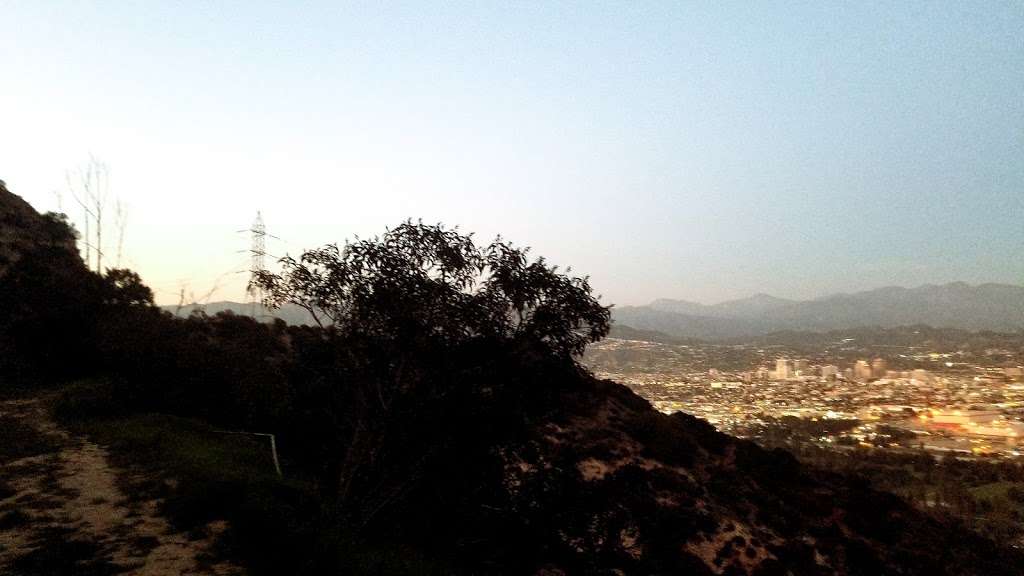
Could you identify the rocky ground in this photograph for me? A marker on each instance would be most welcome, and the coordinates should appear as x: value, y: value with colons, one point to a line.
x: 64, y: 509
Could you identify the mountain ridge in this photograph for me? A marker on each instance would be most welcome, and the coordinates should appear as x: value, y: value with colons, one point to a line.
x: 290, y: 313
x: 986, y: 306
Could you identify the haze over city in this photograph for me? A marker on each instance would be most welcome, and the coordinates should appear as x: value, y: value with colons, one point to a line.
x: 697, y: 152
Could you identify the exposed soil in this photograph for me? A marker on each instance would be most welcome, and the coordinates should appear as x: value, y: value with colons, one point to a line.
x: 62, y: 511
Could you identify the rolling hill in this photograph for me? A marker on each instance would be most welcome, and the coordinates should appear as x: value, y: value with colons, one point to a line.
x: 290, y: 313
x: 960, y: 305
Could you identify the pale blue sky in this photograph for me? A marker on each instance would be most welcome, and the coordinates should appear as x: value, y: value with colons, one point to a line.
x: 694, y: 150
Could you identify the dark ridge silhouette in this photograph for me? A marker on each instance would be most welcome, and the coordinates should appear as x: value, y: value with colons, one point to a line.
x: 23, y: 230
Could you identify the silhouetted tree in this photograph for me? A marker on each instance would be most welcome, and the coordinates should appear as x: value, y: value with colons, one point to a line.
x: 123, y: 287
x: 426, y: 279
x: 419, y: 320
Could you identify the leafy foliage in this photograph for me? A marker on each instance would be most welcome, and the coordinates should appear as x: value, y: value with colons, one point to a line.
x: 419, y: 280
x: 419, y: 322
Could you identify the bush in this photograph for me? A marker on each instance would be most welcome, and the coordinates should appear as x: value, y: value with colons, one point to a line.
x: 88, y: 399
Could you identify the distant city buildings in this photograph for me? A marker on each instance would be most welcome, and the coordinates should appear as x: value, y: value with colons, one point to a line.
x: 862, y: 370
x: 786, y: 369
x: 782, y: 369
x: 879, y: 368
x: 801, y: 368
x: 941, y: 403
x: 979, y: 423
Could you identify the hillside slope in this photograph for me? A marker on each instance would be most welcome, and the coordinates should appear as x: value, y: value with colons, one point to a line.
x: 618, y: 486
x: 22, y: 229
x: 63, y: 510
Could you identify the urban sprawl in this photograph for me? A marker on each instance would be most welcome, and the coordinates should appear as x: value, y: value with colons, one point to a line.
x: 948, y: 406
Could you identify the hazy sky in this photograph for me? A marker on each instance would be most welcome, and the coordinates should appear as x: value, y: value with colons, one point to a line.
x: 692, y: 150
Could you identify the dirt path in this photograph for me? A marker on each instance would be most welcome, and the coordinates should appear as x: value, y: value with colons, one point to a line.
x: 62, y: 512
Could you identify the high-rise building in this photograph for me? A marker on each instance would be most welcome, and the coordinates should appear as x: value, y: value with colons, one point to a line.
x: 801, y: 367
x: 829, y: 372
x: 879, y: 367
x: 862, y: 370
x: 782, y: 369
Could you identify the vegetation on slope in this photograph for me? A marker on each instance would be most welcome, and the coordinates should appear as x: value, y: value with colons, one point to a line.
x: 437, y: 422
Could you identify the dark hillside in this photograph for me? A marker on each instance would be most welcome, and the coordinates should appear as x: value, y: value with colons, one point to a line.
x: 440, y: 424
x: 23, y: 230
x: 620, y: 486
x: 54, y: 309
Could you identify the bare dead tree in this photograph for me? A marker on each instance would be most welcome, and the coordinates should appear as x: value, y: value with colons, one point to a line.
x: 198, y: 302
x: 89, y: 186
x: 87, y: 217
x: 208, y: 295
x: 59, y: 197
x: 97, y: 177
x: 121, y: 225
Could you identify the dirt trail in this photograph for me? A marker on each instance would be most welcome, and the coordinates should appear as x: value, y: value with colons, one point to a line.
x: 62, y: 512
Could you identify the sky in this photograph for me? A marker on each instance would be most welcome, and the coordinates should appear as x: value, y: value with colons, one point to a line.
x: 695, y: 150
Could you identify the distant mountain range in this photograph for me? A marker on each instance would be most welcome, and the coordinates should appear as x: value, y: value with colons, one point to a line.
x: 290, y: 313
x: 998, y: 307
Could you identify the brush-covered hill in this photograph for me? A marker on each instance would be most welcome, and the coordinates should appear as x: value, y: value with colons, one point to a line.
x: 608, y: 485
x: 43, y: 286
x: 23, y: 230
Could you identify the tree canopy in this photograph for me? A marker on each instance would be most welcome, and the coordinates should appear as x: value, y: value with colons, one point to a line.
x: 428, y: 280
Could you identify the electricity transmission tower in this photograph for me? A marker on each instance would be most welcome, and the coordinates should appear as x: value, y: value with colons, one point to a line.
x: 257, y: 251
